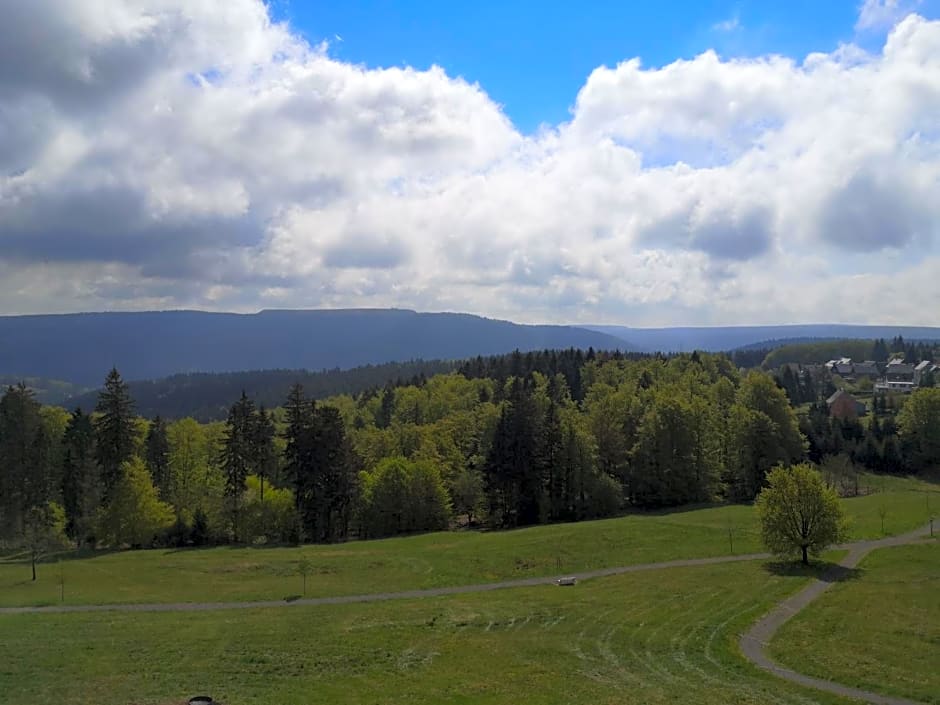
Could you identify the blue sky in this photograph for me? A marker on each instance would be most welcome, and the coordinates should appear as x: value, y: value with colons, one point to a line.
x: 533, y: 57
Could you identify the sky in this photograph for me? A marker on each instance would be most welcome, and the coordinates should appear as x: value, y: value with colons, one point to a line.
x: 676, y: 163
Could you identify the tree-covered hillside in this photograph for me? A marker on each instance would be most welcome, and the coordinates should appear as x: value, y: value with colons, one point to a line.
x: 151, y: 345
x: 879, y: 350
x: 207, y: 396
x: 508, y: 441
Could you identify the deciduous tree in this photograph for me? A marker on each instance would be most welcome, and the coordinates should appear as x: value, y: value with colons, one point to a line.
x: 134, y: 514
x: 919, y: 429
x: 43, y: 531
x: 798, y: 513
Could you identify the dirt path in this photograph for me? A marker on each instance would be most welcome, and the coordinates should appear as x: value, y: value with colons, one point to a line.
x: 754, y: 642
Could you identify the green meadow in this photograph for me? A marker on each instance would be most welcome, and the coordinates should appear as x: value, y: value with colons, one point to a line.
x: 434, y: 560
x: 662, y: 636
x: 879, y: 631
x: 667, y: 636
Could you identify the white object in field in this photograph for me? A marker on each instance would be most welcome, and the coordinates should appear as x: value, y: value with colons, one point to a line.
x: 567, y: 581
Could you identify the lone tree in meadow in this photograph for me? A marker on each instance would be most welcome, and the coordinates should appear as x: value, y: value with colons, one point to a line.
x: 798, y: 513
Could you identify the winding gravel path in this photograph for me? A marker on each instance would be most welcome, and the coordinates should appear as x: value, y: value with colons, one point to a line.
x: 754, y: 642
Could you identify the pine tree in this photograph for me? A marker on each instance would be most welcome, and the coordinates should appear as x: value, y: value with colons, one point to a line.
x: 157, y: 452
x: 333, y: 470
x: 297, y: 455
x: 383, y: 417
x: 20, y: 471
x: 237, y: 456
x: 115, y: 430
x: 512, y: 473
x: 81, y: 486
x: 549, y: 452
x: 264, y: 460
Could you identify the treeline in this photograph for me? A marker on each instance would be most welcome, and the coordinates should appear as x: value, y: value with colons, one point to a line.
x: 878, y: 350
x: 803, y: 387
x: 749, y: 357
x: 902, y: 434
x: 507, y: 442
x: 208, y: 396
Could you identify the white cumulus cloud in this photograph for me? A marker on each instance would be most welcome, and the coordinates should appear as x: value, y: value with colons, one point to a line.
x: 179, y: 153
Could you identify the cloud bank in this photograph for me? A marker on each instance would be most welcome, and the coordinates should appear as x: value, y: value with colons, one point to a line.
x: 169, y: 153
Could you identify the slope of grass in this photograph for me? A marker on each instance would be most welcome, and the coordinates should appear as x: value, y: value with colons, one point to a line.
x: 880, y: 632
x: 661, y: 637
x: 431, y: 560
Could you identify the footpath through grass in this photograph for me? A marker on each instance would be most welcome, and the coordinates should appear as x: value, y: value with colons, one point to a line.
x: 880, y: 632
x: 431, y: 560
x: 667, y: 636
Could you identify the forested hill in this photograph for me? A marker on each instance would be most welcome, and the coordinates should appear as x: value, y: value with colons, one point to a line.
x: 208, y: 396
x: 718, y: 338
x: 149, y: 345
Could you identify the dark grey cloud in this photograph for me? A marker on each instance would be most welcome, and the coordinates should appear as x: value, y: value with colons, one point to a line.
x: 114, y: 224
x: 872, y: 212
x: 43, y: 51
x: 734, y: 236
x: 723, y: 234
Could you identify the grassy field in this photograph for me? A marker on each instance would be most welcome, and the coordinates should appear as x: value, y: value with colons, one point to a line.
x: 668, y: 636
x: 433, y: 560
x: 880, y: 632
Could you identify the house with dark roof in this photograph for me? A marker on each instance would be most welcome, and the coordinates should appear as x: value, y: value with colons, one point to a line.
x: 899, y: 372
x: 868, y: 369
x: 898, y: 377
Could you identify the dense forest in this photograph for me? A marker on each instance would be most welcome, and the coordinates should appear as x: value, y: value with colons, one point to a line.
x: 507, y: 441
x: 208, y: 396
x: 859, y: 350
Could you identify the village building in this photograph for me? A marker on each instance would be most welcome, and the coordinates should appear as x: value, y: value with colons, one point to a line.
x: 843, y: 405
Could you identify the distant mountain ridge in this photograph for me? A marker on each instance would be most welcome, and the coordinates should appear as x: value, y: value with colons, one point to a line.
x: 81, y: 348
x: 721, y: 338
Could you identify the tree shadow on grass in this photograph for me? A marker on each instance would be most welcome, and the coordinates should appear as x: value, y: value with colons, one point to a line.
x: 822, y: 570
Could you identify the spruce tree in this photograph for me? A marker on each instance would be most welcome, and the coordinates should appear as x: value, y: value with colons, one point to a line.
x: 549, y: 452
x: 237, y: 456
x: 297, y: 454
x: 115, y: 430
x: 20, y: 442
x: 332, y: 465
x: 513, y: 475
x: 157, y: 452
x: 383, y: 417
x: 264, y: 458
x: 81, y: 487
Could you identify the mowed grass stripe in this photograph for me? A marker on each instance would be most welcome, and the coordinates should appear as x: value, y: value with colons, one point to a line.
x: 658, y: 637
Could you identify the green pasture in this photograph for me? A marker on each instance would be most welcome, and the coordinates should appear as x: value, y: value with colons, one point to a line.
x: 879, y: 631
x: 667, y: 636
x: 434, y: 560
